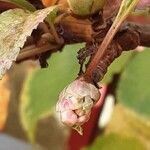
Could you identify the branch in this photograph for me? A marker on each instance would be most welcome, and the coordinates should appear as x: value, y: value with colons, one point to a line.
x: 128, y: 38
x: 74, y: 30
x: 143, y: 35
x: 33, y: 51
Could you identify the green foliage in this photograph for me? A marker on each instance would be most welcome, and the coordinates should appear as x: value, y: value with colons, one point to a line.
x: 85, y: 7
x: 43, y: 86
x: 126, y: 131
x: 142, y: 12
x: 15, y: 26
x: 116, y: 142
x: 117, y: 66
x: 125, y: 9
x: 24, y: 4
x: 134, y: 85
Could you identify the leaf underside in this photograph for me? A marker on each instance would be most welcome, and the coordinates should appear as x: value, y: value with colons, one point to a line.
x: 15, y: 26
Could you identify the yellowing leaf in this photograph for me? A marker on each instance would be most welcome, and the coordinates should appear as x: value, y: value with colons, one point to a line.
x: 21, y: 4
x: 15, y: 26
x: 4, y: 100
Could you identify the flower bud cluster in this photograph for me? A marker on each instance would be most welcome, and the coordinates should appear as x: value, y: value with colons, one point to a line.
x: 75, y: 103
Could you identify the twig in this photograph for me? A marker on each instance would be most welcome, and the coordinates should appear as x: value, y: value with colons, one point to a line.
x: 100, y: 52
x: 57, y: 38
x: 26, y: 53
x: 43, y: 27
x: 124, y: 11
x: 128, y: 38
x: 27, y: 48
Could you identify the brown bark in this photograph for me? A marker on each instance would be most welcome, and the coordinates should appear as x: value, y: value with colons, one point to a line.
x: 129, y: 37
x: 76, y: 30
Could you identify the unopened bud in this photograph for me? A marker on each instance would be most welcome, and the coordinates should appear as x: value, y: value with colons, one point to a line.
x: 85, y: 7
x: 75, y: 103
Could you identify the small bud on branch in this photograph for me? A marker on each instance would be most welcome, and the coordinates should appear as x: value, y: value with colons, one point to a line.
x: 75, y: 103
x: 76, y: 100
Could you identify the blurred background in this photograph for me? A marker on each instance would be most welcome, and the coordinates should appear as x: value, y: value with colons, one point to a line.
x: 119, y: 121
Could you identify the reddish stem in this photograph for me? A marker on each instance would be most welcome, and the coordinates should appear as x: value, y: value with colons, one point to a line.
x: 100, y: 52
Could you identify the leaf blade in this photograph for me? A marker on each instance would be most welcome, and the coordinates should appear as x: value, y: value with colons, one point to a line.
x: 117, y: 66
x: 38, y: 101
x: 133, y: 89
x: 21, y: 4
x: 15, y: 26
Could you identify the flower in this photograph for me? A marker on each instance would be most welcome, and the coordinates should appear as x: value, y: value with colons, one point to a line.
x: 75, y: 103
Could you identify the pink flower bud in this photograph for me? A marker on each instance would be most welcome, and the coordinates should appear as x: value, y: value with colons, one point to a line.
x: 143, y: 4
x: 75, y: 103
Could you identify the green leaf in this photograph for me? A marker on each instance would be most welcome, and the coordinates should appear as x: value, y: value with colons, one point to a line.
x: 85, y: 7
x: 142, y: 12
x: 42, y: 87
x: 125, y: 131
x: 116, y: 142
x: 117, y: 66
x: 51, y: 17
x: 15, y: 26
x: 134, y: 85
x: 24, y: 4
x: 126, y: 7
